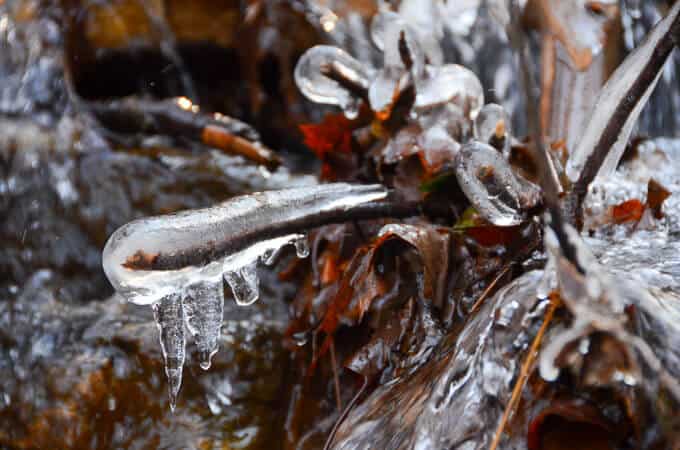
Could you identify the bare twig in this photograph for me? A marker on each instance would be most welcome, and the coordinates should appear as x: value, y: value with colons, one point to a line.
x: 136, y: 116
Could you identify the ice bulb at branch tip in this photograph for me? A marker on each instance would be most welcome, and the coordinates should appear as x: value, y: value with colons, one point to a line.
x: 492, y: 188
x: 315, y: 72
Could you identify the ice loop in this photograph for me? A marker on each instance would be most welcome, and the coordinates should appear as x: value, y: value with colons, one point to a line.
x: 177, y: 262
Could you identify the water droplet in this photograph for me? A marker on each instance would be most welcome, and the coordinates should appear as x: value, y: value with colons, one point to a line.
x: 302, y: 247
x: 300, y: 338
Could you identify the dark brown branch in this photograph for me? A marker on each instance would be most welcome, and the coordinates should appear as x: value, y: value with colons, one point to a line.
x: 335, y: 72
x: 135, y: 116
x: 211, y: 251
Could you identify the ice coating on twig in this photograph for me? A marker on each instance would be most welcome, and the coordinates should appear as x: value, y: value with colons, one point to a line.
x: 616, y: 92
x: 418, y: 15
x: 450, y: 84
x: 176, y: 262
x: 494, y: 190
x: 492, y: 126
x: 404, y: 61
x: 314, y: 79
x: 149, y: 258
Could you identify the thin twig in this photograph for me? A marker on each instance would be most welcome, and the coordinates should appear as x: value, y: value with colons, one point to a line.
x: 345, y: 413
x: 135, y: 116
x: 336, y: 379
x: 524, y: 372
x: 488, y: 289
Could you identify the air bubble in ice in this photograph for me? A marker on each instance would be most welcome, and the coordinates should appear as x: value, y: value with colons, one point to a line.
x: 320, y: 88
x: 494, y: 190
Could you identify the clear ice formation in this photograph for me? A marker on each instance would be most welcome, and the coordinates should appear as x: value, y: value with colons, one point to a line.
x: 387, y: 31
x: 491, y: 186
x: 169, y: 316
x: 319, y: 88
x: 492, y: 126
x: 453, y: 85
x: 614, y: 93
x: 176, y: 262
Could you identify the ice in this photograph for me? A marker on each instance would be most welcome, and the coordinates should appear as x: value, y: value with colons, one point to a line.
x: 203, y: 309
x: 244, y: 284
x: 459, y: 16
x: 319, y: 88
x: 301, y: 247
x: 402, y: 63
x: 169, y: 316
x: 450, y: 84
x: 492, y: 126
x: 615, y: 92
x: 492, y: 188
x: 200, y: 244
x: 176, y: 262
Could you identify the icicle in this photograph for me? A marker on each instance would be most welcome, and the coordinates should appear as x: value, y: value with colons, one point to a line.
x: 244, y: 283
x: 492, y: 126
x: 169, y: 316
x: 491, y: 186
x: 319, y: 88
x: 450, y: 84
x: 203, y: 305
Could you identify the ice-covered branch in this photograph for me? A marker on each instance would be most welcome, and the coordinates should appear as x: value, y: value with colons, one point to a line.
x: 177, y: 262
x: 619, y: 105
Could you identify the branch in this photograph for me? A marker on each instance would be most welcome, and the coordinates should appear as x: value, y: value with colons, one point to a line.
x: 135, y: 116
